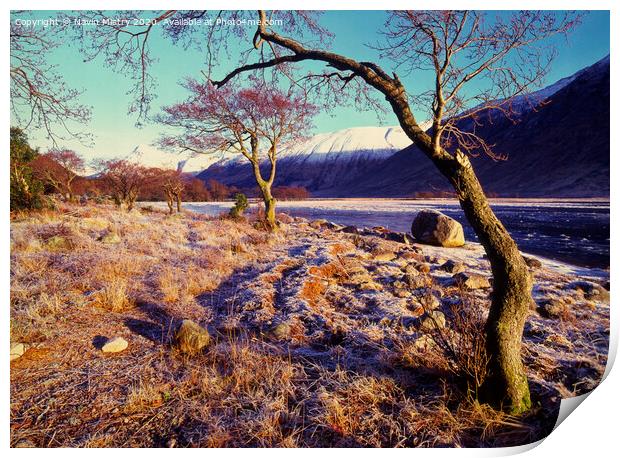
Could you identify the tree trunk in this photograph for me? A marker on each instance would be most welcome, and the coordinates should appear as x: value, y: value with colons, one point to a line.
x: 170, y: 206
x: 506, y: 385
x: 270, y: 207
x: 178, y: 198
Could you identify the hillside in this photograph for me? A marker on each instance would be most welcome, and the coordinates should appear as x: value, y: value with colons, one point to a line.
x: 559, y: 149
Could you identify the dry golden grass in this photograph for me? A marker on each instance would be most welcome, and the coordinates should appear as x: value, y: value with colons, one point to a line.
x: 345, y: 374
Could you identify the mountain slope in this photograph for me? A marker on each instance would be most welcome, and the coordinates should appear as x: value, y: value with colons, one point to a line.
x: 150, y: 156
x: 322, y: 161
x: 559, y: 149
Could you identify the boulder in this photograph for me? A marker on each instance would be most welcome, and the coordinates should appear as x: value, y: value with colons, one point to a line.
x: 435, y: 228
x: 114, y: 345
x: 191, y: 338
x: 471, y: 281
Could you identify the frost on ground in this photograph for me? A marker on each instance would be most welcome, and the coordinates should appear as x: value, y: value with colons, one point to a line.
x: 320, y: 336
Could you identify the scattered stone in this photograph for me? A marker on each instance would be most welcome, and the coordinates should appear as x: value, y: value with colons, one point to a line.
x: 384, y: 256
x: 412, y: 256
x: 422, y: 267
x: 350, y: 230
x: 281, y: 331
x: 318, y: 223
x: 552, y: 308
x: 191, y: 338
x: 416, y: 281
x: 110, y: 237
x: 17, y: 350
x: 370, y: 286
x: 58, y: 242
x: 401, y: 289
x: 591, y: 290
x: 398, y: 237
x: 425, y: 342
x: 433, y: 320
x: 471, y: 280
x: 532, y: 263
x: 114, y: 345
x: 435, y: 228
x: 453, y: 267
x: 430, y: 302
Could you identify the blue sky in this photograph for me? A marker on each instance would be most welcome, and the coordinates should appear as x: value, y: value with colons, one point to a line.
x: 114, y: 130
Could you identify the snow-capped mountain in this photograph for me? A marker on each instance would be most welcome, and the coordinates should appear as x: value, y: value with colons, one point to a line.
x: 151, y: 156
x: 558, y: 149
x: 320, y: 161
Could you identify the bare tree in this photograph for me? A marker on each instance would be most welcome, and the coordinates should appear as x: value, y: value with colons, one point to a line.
x: 40, y: 98
x: 59, y: 168
x: 253, y: 122
x: 173, y: 186
x: 510, y: 53
x: 124, y: 180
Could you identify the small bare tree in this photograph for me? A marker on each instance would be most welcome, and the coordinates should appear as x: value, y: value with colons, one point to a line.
x: 173, y: 186
x: 124, y: 180
x: 253, y: 122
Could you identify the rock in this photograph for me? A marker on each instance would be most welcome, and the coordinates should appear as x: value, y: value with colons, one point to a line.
x: 17, y: 350
x: 110, y: 237
x: 430, y: 302
x: 114, y: 345
x: 435, y: 228
x: 422, y: 267
x: 384, y: 256
x: 591, y: 290
x: 433, y: 320
x: 552, y: 308
x: 532, y: 263
x: 370, y: 286
x: 471, y: 280
x: 412, y: 256
x: 281, y: 331
x: 416, y: 281
x: 350, y: 230
x: 191, y: 338
x: 319, y: 223
x: 453, y: 267
x: 58, y: 242
x: 401, y: 289
x: 425, y: 342
x: 398, y: 237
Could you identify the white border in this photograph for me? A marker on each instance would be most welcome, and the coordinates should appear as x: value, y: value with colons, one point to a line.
x: 590, y: 431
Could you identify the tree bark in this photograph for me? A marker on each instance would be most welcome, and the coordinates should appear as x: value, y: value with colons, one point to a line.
x: 270, y: 207
x: 178, y: 198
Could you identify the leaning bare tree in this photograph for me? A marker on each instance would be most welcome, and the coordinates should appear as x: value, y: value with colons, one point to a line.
x: 505, y: 56
x: 253, y: 122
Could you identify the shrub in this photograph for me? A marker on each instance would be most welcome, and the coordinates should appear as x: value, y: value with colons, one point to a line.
x: 241, y: 205
x: 26, y: 190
